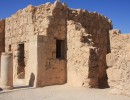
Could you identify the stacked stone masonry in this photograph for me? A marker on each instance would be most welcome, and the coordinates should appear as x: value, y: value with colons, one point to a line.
x: 119, y: 63
x: 53, y: 44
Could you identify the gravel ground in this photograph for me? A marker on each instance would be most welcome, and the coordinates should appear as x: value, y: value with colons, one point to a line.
x: 62, y: 92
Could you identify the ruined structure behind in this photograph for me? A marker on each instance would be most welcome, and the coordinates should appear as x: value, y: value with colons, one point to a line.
x: 119, y: 63
x: 53, y: 44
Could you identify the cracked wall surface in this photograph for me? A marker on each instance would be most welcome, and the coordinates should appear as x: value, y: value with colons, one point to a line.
x: 86, y: 38
x: 119, y: 63
x: 86, y: 43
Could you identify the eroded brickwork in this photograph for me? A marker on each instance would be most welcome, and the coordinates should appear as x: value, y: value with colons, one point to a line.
x: 77, y: 55
x: 60, y: 45
x: 96, y: 37
x: 43, y: 20
x: 18, y: 29
x: 53, y: 44
x: 119, y: 63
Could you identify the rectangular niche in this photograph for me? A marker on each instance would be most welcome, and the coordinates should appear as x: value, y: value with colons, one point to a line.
x: 60, y: 49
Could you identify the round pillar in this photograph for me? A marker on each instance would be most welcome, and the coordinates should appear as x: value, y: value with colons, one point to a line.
x: 6, y: 70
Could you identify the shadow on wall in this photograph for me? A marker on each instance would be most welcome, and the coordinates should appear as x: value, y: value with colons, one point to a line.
x: 97, y: 75
x: 1, y: 89
x: 32, y: 79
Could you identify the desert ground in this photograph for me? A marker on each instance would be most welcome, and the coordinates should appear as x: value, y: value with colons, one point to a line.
x: 59, y: 92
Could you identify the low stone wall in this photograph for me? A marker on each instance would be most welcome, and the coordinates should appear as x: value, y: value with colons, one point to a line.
x: 119, y: 63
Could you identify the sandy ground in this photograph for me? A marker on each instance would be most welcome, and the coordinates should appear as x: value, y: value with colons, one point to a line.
x: 62, y: 92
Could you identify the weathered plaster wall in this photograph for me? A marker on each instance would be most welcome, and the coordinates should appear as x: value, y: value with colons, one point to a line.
x: 18, y: 29
x: 96, y: 28
x: 52, y: 70
x: 119, y: 63
x: 50, y: 21
x: 19, y: 26
x: 32, y: 63
x: 77, y: 55
x: 2, y: 39
x: 41, y: 18
x: 28, y: 23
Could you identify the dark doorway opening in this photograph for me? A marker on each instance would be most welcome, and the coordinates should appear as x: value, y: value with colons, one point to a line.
x: 60, y: 49
x: 21, y: 62
x: 9, y: 48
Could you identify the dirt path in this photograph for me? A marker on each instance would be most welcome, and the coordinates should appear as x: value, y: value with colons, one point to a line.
x: 62, y: 92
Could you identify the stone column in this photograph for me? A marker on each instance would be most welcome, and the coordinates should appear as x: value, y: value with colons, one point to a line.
x: 6, y: 71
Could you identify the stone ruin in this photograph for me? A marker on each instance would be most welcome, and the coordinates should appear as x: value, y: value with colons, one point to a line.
x: 118, y: 62
x: 52, y: 44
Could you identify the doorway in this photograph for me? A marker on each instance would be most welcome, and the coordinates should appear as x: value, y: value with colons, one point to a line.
x: 21, y: 62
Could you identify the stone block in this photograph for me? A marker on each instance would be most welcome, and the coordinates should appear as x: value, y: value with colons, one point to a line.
x: 127, y: 57
x: 110, y: 59
x: 114, y: 74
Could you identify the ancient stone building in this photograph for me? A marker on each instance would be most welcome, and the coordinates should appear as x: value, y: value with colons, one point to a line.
x: 53, y: 44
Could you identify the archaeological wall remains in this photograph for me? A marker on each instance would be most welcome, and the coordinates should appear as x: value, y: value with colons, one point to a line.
x: 119, y: 63
x: 37, y: 31
x: 49, y: 43
x: 53, y: 44
x: 88, y: 43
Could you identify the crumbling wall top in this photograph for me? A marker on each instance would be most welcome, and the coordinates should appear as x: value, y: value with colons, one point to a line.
x: 59, y: 5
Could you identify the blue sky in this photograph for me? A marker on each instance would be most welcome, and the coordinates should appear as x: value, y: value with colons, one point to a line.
x: 117, y: 10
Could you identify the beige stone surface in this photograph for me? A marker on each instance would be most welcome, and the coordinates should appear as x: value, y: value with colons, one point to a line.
x: 32, y: 22
x: 111, y: 58
x: 37, y: 28
x: 87, y: 38
x: 118, y: 62
x: 77, y: 56
x: 88, y: 48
